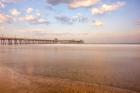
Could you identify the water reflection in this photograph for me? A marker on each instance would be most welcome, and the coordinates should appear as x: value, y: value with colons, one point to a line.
x: 115, y: 65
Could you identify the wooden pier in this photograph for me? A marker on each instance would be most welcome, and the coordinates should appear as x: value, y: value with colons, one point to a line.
x: 19, y: 41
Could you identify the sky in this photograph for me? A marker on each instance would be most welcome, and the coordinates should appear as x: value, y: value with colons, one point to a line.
x: 94, y: 21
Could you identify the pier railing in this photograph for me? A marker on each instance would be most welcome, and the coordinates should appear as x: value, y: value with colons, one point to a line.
x: 18, y: 41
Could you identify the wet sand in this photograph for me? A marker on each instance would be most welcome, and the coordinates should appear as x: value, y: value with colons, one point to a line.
x: 13, y: 82
x: 69, y: 69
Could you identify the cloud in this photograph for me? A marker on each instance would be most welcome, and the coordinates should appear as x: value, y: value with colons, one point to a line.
x: 98, y: 23
x: 32, y: 19
x: 4, y: 18
x: 15, y: 12
x: 105, y: 8
x: 64, y: 19
x: 11, y: 1
x: 79, y: 18
x: 49, y: 7
x: 29, y: 10
x: 3, y: 3
x: 56, y: 2
x: 82, y: 3
x: 30, y: 16
x: 73, y: 3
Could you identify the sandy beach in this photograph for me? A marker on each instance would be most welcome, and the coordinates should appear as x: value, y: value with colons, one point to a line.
x: 13, y: 82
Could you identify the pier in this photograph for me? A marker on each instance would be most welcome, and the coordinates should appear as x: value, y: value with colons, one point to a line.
x: 19, y: 41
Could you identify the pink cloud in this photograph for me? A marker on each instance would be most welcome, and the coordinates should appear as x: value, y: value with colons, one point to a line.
x: 74, y: 3
x: 106, y: 8
x: 4, y: 18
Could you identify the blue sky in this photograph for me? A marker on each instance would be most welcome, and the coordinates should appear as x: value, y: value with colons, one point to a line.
x: 95, y: 21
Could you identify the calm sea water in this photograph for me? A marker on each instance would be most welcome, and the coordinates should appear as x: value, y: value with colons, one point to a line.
x: 112, y: 65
